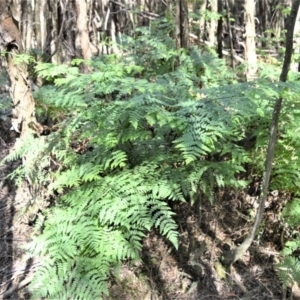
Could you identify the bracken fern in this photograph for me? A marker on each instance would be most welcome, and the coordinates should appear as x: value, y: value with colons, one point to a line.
x: 137, y: 133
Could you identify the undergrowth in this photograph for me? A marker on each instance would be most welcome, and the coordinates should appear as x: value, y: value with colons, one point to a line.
x: 137, y: 133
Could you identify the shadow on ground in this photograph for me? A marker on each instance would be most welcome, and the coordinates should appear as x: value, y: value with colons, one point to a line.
x: 13, y: 234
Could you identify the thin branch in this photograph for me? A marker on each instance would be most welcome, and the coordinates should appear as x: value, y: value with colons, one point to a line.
x: 232, y: 55
x: 12, y: 240
x: 236, y: 57
x: 23, y: 269
x: 143, y: 13
x: 17, y: 287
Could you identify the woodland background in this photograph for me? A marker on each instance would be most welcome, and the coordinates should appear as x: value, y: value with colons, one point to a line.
x: 150, y: 149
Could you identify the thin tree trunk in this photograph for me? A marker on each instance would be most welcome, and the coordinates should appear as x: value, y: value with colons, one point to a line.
x: 182, y: 25
x: 230, y: 35
x: 250, y: 49
x: 220, y: 29
x: 296, y: 65
x: 202, y: 19
x: 263, y: 15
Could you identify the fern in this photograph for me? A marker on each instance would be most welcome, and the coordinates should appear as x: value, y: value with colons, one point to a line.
x: 288, y: 269
x: 136, y: 134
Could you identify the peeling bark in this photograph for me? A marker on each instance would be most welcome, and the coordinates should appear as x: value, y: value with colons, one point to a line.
x: 23, y: 120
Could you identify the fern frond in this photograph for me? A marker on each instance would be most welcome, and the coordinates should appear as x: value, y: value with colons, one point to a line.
x: 288, y: 271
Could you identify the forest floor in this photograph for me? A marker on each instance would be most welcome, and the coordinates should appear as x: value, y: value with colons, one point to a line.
x: 192, y: 273
x: 15, y: 269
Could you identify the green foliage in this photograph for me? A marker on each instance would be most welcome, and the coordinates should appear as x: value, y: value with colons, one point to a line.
x: 23, y: 58
x: 289, y: 268
x: 144, y: 129
x: 292, y: 213
x: 286, y: 175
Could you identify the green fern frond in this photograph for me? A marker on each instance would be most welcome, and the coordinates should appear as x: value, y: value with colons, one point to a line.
x: 292, y: 212
x: 288, y: 271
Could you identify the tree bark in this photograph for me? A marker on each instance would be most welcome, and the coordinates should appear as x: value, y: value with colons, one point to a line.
x: 250, y: 49
x: 235, y: 254
x: 182, y: 24
x: 230, y: 35
x: 23, y: 120
x: 83, y: 40
x: 263, y: 17
x: 220, y: 29
x: 213, y: 22
x: 202, y: 22
x: 296, y: 65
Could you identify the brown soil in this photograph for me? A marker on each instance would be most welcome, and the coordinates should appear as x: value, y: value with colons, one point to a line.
x: 193, y: 272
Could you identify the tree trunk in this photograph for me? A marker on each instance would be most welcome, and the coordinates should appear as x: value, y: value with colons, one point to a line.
x: 83, y: 32
x: 296, y: 65
x: 182, y: 25
x: 263, y: 19
x: 230, y: 38
x: 23, y: 120
x: 220, y: 29
x: 202, y: 19
x: 250, y: 48
x: 213, y: 22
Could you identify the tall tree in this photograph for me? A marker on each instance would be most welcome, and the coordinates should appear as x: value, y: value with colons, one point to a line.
x: 220, y: 29
x: 83, y: 39
x: 296, y: 65
x: 213, y: 21
x: 263, y: 17
x: 182, y: 24
x: 24, y: 120
x: 250, y: 48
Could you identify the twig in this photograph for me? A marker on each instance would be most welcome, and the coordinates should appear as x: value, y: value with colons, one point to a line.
x: 22, y: 270
x: 12, y: 240
x: 143, y: 13
x: 17, y: 287
x: 236, y: 57
x: 3, y: 143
